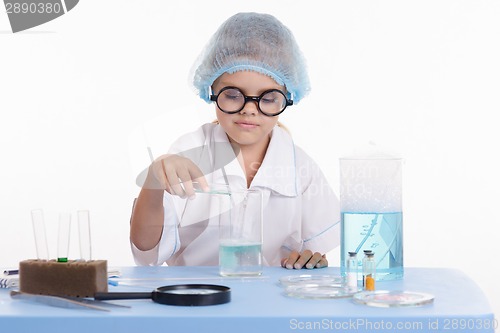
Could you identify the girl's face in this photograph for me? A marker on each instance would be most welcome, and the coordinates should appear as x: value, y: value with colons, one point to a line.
x: 248, y: 128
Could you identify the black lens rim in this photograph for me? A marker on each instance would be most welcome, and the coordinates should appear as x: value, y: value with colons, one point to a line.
x: 165, y: 295
x: 288, y: 102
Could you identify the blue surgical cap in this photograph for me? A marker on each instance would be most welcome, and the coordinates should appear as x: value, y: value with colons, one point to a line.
x: 253, y: 42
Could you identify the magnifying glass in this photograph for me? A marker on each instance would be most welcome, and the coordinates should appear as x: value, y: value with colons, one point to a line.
x: 180, y: 294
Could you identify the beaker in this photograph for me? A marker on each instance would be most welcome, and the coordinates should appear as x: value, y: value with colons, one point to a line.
x: 371, y: 212
x: 240, y: 233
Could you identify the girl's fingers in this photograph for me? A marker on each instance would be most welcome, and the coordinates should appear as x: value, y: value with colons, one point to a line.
x: 162, y: 175
x: 323, y: 262
x: 180, y: 173
x: 292, y: 258
x: 201, y: 184
x: 173, y: 182
x: 186, y: 184
x: 193, y: 176
x: 283, y: 262
x: 315, y: 259
x: 303, y: 259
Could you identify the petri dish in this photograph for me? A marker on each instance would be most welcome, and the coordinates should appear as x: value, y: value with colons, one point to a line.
x: 311, y: 279
x: 392, y: 298
x: 319, y: 291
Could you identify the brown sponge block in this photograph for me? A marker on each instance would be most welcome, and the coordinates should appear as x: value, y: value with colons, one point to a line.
x: 72, y: 278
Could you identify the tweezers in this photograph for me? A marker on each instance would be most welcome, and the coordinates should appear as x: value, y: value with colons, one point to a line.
x: 66, y: 302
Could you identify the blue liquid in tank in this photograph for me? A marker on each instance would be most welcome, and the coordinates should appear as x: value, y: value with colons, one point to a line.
x: 380, y: 232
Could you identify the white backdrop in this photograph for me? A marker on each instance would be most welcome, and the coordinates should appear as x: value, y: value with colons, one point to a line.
x: 82, y: 96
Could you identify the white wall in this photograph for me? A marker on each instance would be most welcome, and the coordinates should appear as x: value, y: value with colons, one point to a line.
x: 419, y: 77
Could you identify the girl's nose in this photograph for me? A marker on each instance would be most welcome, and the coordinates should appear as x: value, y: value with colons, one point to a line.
x: 250, y: 108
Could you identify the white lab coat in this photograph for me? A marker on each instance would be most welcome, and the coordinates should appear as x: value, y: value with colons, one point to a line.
x: 300, y: 209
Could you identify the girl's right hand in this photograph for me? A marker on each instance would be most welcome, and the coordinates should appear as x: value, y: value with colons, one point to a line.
x: 175, y: 174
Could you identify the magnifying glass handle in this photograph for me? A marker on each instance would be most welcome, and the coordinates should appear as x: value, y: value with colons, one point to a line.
x: 121, y: 295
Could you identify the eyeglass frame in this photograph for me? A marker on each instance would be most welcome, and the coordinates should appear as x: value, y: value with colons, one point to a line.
x: 288, y: 102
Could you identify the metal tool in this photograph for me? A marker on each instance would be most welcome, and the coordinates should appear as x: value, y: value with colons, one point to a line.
x: 65, y: 302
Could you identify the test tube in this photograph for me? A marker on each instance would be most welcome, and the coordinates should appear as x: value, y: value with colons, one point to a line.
x: 63, y: 239
x: 84, y: 234
x: 42, y: 250
x: 352, y: 270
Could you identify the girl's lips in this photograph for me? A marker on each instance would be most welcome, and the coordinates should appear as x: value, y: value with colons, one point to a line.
x: 245, y: 124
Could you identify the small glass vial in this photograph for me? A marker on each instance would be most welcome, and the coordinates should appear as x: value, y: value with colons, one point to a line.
x: 363, y: 265
x: 352, y: 270
x: 369, y: 272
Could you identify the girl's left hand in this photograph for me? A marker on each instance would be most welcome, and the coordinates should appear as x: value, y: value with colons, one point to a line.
x: 305, y: 259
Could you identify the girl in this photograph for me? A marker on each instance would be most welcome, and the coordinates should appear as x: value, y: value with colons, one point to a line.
x: 252, y: 69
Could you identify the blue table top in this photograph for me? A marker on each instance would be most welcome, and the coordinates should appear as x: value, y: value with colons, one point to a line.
x: 260, y: 305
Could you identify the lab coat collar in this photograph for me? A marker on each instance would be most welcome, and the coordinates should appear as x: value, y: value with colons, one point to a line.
x: 278, y: 169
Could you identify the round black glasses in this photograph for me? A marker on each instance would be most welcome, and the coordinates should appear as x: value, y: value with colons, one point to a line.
x: 270, y: 103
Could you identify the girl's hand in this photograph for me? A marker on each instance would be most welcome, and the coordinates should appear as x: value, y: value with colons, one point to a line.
x: 307, y: 259
x: 175, y: 174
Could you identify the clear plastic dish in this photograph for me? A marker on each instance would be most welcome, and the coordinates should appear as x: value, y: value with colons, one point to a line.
x: 388, y: 298
x: 319, y: 291
x: 311, y: 279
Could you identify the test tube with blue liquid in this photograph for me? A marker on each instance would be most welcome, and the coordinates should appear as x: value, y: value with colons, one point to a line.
x: 371, y: 212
